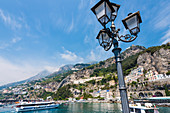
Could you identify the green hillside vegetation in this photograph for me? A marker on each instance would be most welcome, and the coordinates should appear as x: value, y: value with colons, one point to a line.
x: 127, y: 64
x: 43, y: 94
x: 156, y: 48
x: 63, y: 93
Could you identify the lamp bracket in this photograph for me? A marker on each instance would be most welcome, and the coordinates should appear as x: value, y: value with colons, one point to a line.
x: 127, y: 38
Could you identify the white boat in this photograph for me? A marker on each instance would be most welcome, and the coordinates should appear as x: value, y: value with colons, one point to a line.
x: 30, y: 106
x: 137, y: 108
x: 1, y: 104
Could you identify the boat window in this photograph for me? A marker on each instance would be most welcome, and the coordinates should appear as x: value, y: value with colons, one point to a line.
x: 131, y: 110
x: 137, y: 110
x: 149, y: 111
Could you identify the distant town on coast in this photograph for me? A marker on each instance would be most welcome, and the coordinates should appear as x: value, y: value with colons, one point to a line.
x: 146, y: 75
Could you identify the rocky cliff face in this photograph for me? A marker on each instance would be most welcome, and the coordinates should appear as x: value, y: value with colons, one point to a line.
x: 132, y: 51
x: 159, y: 60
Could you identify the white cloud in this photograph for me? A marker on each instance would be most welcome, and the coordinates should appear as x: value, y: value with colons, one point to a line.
x: 166, y: 37
x: 9, y: 20
x: 51, y: 68
x: 162, y: 18
x: 70, y: 28
x: 166, y: 41
x: 161, y: 21
x: 92, y: 56
x: 16, y: 39
x: 70, y: 56
x: 4, y: 45
x: 81, y: 5
x: 87, y: 39
x: 92, y: 2
x: 12, y: 72
x: 99, y: 54
x: 16, y: 24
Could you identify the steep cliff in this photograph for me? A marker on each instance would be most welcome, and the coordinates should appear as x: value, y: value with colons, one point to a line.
x: 132, y: 51
x: 156, y: 58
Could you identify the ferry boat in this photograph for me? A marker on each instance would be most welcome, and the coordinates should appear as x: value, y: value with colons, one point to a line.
x: 137, y: 108
x: 30, y: 106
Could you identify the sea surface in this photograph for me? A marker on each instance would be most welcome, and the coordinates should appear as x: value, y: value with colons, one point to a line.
x: 80, y: 108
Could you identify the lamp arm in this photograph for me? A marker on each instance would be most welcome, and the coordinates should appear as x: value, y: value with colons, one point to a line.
x: 127, y: 38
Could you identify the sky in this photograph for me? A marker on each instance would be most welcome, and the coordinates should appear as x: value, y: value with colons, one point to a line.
x: 37, y: 35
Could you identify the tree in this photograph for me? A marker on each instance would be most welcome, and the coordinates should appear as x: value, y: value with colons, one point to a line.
x: 86, y: 96
x: 168, y: 73
x: 31, y: 88
x: 91, y: 91
x: 63, y: 93
x: 103, y: 81
x: 43, y: 94
x: 167, y: 92
x: 91, y: 82
x: 115, y: 78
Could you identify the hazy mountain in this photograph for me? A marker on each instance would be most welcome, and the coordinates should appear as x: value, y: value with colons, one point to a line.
x: 42, y: 74
x: 38, y: 76
x: 69, y: 67
x: 66, y: 68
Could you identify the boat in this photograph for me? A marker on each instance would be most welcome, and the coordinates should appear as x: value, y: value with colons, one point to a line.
x: 31, y: 106
x: 1, y: 105
x: 137, y: 108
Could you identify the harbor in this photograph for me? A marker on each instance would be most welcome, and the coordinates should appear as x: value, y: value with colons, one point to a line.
x: 86, y: 56
x: 161, y: 104
x: 81, y: 107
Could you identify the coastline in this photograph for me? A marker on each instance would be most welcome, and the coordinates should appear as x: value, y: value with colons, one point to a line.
x: 163, y: 104
x: 103, y: 101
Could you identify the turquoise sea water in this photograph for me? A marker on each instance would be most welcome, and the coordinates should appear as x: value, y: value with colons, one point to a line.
x: 81, y: 108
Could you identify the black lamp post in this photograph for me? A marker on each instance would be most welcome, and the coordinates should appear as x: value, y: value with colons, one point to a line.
x: 105, y: 12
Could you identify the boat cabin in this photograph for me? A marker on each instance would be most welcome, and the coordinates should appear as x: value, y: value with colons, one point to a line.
x: 137, y: 108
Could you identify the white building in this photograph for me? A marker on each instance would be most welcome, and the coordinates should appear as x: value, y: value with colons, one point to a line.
x: 81, y: 81
x: 134, y: 75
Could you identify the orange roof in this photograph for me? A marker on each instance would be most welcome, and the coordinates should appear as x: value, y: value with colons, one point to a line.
x: 82, y: 97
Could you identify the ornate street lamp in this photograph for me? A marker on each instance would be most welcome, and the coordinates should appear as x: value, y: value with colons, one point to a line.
x: 103, y: 10
x: 114, y: 14
x: 132, y: 22
x: 104, y: 39
x: 107, y: 12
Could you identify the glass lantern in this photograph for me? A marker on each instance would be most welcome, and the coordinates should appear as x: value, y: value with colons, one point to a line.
x: 132, y: 22
x: 103, y: 10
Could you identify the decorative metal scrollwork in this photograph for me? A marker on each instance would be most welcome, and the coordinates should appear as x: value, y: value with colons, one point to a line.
x: 127, y: 38
x: 107, y: 45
